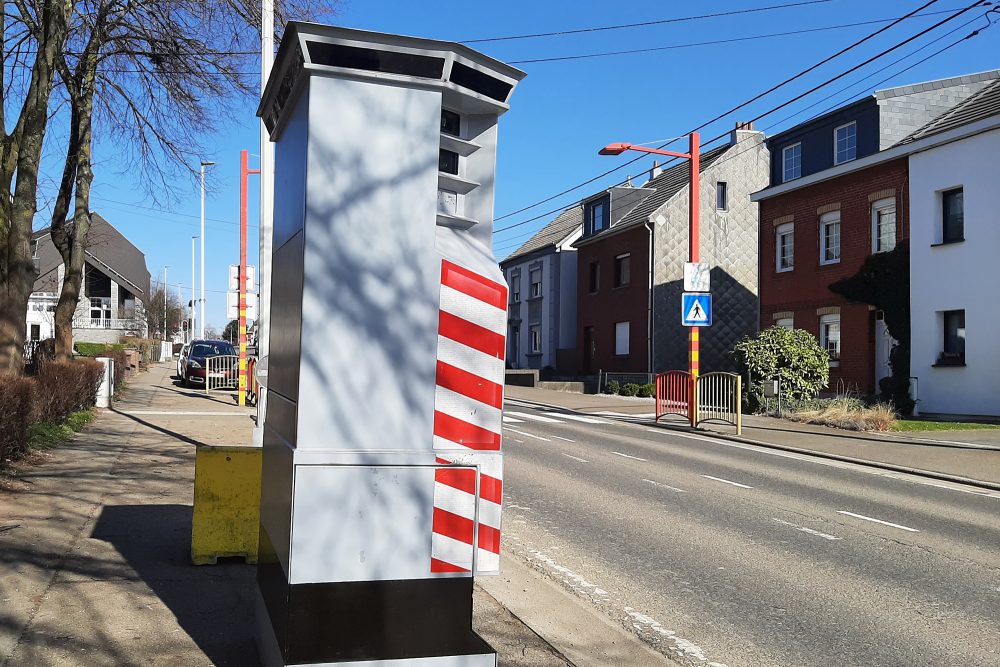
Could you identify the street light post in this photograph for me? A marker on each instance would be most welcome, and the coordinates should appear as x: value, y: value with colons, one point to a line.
x: 694, y: 155
x: 201, y: 323
x: 165, y: 267
x: 191, y: 313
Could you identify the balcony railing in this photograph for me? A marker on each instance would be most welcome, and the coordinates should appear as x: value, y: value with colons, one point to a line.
x: 102, y: 323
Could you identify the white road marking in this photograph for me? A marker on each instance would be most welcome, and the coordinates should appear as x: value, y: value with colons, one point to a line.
x: 635, y: 458
x: 575, y: 458
x: 884, y: 523
x: 537, y: 418
x: 664, y: 486
x: 643, y: 622
x: 512, y: 420
x: 807, y: 530
x: 579, y: 418
x: 530, y: 435
x: 562, y: 438
x: 831, y: 463
x: 726, y: 481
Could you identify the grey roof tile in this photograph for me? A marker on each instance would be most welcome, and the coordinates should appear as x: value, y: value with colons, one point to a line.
x: 553, y: 233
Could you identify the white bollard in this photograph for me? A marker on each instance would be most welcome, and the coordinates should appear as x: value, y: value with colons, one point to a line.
x: 106, y: 390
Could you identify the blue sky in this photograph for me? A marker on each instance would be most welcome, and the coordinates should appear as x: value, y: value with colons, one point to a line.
x: 564, y: 111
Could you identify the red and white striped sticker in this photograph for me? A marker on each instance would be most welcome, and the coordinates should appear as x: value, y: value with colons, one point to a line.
x: 467, y: 421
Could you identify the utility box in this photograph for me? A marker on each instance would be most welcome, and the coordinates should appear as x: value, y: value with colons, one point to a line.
x: 382, y: 471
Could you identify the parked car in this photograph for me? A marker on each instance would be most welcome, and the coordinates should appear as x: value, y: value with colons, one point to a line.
x: 182, y: 360
x: 197, y: 361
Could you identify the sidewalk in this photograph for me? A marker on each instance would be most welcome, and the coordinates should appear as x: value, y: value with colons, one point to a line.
x: 973, y: 455
x: 95, y: 563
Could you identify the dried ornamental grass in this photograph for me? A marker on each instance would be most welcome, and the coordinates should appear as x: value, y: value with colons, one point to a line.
x: 842, y: 414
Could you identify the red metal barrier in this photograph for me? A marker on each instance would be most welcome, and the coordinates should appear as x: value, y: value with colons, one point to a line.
x: 251, y: 381
x: 674, y: 394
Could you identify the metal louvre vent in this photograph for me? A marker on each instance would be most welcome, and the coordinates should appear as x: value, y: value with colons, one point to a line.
x: 477, y: 81
x: 372, y: 60
x: 284, y: 91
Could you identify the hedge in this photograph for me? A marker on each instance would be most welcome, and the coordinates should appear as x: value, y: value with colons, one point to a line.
x: 59, y: 390
x: 115, y: 352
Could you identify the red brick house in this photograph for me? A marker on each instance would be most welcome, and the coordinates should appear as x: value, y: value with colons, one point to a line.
x: 838, y: 193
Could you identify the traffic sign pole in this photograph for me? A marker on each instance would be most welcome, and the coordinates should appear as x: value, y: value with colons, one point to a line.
x: 694, y: 238
x: 245, y: 172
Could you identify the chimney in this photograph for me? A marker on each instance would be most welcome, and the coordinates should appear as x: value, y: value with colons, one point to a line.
x: 655, y: 171
x: 740, y: 132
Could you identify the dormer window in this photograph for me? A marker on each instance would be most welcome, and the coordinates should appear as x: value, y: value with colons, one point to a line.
x: 845, y: 143
x: 791, y: 162
x: 596, y: 214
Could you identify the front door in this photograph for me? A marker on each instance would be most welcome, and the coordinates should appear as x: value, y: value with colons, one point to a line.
x: 589, y: 350
x: 883, y: 346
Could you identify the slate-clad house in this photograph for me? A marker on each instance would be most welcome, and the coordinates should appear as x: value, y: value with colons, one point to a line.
x: 541, y: 275
x: 114, y: 290
x: 632, y: 255
x: 839, y: 192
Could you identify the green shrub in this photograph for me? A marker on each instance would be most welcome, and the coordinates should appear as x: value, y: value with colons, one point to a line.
x: 90, y: 349
x: 630, y: 389
x: 612, y: 387
x: 647, y: 390
x: 795, y: 354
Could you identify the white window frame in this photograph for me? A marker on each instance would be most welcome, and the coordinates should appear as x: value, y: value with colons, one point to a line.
x: 535, y: 338
x: 824, y: 322
x: 515, y: 286
x: 785, y: 323
x: 622, y: 332
x: 784, y: 168
x: 781, y: 230
x: 532, y: 285
x: 827, y: 220
x: 836, y: 149
x: 879, y: 207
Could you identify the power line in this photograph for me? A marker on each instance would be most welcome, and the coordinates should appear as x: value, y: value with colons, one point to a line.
x: 560, y: 33
x: 162, y: 210
x: 715, y: 42
x: 835, y: 105
x: 757, y: 97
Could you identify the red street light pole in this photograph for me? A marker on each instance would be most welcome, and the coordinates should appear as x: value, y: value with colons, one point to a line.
x: 245, y: 172
x: 694, y: 155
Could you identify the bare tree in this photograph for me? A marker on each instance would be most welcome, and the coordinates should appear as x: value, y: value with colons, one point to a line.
x: 32, y: 35
x: 157, y: 73
x: 153, y: 313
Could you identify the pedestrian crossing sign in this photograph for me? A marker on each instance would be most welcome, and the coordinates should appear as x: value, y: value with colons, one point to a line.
x: 696, y: 309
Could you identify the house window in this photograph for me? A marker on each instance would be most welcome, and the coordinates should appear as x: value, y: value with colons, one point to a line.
x: 884, y: 225
x: 785, y: 323
x: 791, y: 162
x: 535, y: 331
x: 845, y: 143
x: 954, y: 339
x: 829, y: 238
x: 596, y: 215
x: 953, y: 216
x: 784, y: 247
x: 515, y: 345
x: 622, y: 269
x: 536, y: 282
x: 621, y: 338
x: 829, y: 336
x: 448, y: 161
x: 721, y: 196
x: 36, y: 332
x: 595, y: 277
x: 515, y: 287
x: 451, y: 123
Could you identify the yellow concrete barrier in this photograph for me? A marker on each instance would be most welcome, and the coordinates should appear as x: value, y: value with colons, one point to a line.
x: 226, y: 503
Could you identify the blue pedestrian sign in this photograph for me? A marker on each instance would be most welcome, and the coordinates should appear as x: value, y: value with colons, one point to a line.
x: 696, y: 309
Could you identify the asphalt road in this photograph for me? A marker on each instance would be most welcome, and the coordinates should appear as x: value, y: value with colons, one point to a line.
x: 720, y: 553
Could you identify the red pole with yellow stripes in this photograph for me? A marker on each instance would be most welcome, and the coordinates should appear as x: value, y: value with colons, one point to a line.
x: 245, y: 172
x: 694, y: 241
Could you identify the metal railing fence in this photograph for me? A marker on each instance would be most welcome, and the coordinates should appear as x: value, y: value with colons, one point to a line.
x: 673, y: 394
x: 222, y: 373
x: 718, y: 398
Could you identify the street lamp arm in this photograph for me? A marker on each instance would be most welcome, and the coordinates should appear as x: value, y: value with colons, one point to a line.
x: 618, y: 149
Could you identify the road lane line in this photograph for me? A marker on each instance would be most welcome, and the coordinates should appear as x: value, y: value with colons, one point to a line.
x: 575, y: 458
x: 578, y: 418
x: 562, y: 438
x: 884, y: 523
x: 825, y: 536
x: 530, y: 435
x: 635, y: 458
x: 512, y: 420
x: 664, y: 486
x: 726, y: 481
x: 537, y: 418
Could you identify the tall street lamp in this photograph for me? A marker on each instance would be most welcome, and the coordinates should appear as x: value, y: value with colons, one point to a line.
x: 191, y: 314
x: 201, y: 323
x: 165, y: 267
x: 694, y: 155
